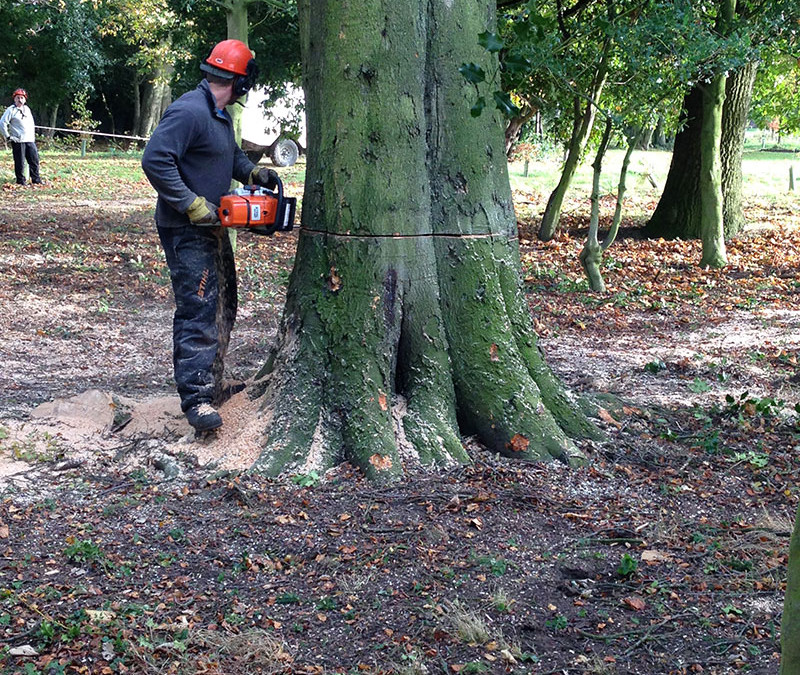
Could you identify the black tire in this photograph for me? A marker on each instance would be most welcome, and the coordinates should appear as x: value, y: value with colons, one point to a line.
x: 285, y: 152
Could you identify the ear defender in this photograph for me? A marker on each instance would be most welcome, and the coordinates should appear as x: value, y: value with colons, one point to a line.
x: 244, y: 83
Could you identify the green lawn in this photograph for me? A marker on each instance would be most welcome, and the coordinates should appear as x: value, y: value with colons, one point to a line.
x: 765, y: 174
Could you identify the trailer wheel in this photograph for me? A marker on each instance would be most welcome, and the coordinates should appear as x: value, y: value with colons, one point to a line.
x: 285, y: 152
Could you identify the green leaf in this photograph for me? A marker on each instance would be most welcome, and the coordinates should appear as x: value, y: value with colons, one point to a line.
x: 698, y: 386
x: 477, y: 109
x: 504, y: 104
x: 472, y: 73
x: 490, y: 42
x: 516, y: 63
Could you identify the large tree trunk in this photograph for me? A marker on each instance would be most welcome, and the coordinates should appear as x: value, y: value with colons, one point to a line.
x: 405, y: 325
x: 738, y: 95
x: 711, y: 228
x: 678, y: 213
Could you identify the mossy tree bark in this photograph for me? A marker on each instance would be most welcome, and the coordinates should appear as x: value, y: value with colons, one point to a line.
x: 405, y: 324
x: 678, y: 214
x: 790, y: 624
x: 711, y: 227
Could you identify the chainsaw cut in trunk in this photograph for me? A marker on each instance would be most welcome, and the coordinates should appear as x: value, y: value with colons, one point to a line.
x: 405, y: 324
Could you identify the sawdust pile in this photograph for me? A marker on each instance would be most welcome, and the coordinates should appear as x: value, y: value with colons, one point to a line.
x: 97, y: 427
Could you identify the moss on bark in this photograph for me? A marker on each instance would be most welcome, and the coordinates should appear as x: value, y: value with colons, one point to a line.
x: 405, y: 324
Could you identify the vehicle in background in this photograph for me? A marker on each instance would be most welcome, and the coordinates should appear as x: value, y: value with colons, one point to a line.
x: 275, y: 128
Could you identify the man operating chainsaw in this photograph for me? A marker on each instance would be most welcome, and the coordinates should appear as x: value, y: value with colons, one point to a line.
x: 190, y: 160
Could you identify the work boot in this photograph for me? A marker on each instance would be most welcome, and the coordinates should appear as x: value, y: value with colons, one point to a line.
x: 203, y: 417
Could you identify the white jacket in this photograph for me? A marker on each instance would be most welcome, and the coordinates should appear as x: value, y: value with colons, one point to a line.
x: 17, y: 124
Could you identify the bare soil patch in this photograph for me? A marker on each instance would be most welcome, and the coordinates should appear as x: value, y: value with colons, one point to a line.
x: 128, y: 545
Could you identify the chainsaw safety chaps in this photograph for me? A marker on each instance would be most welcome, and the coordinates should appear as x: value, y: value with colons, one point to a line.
x: 192, y: 255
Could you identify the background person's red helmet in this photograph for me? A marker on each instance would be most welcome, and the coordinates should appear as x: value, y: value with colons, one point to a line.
x: 19, y: 92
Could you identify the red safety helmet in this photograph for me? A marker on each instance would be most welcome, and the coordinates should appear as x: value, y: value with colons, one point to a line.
x: 232, y: 59
x: 19, y: 92
x: 229, y: 56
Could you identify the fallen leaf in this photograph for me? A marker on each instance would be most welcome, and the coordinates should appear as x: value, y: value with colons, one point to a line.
x: 380, y: 462
x: 634, y: 602
x: 654, y: 557
x: 100, y: 616
x: 606, y: 417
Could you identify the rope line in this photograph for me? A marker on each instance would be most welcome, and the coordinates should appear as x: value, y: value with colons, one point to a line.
x: 93, y: 133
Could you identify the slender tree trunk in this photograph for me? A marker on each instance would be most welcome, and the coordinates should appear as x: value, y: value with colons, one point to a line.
x: 622, y: 188
x: 515, y: 127
x: 581, y: 131
x: 53, y: 120
x: 592, y: 255
x: 405, y: 324
x: 137, y: 107
x: 238, y: 29
x: 712, y: 228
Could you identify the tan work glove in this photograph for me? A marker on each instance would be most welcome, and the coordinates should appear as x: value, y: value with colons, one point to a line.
x: 203, y: 212
x: 264, y: 177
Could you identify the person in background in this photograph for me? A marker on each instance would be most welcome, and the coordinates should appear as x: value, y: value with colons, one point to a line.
x: 190, y: 160
x: 17, y: 126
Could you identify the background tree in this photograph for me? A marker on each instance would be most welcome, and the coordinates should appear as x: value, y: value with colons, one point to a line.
x: 560, y: 53
x: 405, y: 325
x: 776, y: 93
x: 148, y: 30
x: 52, y: 49
x: 737, y: 44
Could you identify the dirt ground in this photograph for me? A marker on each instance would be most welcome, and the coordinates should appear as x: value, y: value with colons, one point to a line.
x: 128, y: 545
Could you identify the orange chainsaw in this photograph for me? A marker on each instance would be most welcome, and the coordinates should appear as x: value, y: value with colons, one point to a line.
x: 258, y: 209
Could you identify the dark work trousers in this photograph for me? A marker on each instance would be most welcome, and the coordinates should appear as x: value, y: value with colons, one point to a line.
x: 25, y: 152
x: 200, y: 261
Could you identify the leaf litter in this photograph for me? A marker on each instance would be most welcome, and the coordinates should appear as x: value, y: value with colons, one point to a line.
x: 126, y: 546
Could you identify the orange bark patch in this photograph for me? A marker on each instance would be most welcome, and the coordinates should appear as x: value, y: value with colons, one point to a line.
x: 519, y: 443
x: 334, y: 280
x: 380, y: 462
x: 493, y: 353
x: 382, y: 401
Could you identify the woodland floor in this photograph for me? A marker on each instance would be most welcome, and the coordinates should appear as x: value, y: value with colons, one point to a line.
x: 126, y: 546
